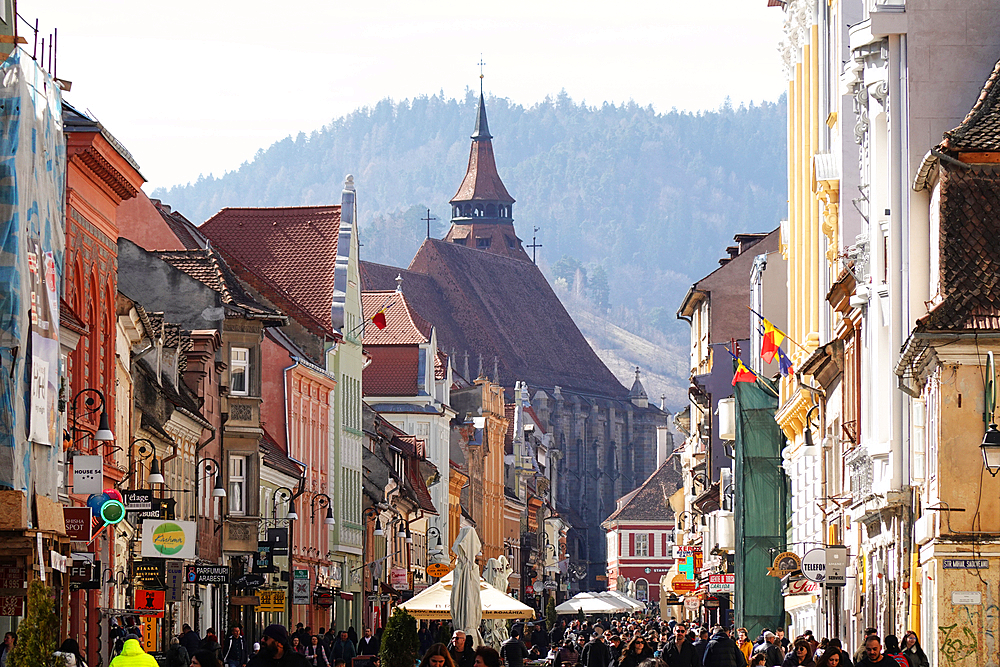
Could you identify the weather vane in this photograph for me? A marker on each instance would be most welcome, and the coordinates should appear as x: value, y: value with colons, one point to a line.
x: 481, y: 65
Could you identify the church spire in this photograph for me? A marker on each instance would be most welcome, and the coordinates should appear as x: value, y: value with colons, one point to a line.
x: 482, y: 132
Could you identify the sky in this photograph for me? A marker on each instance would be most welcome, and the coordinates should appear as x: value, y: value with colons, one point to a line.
x: 198, y: 87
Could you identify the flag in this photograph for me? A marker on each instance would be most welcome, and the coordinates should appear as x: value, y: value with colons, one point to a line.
x: 785, y: 364
x: 378, y: 319
x: 743, y: 374
x: 772, y: 341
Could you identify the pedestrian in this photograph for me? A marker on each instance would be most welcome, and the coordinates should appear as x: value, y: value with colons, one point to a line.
x: 190, y: 640
x: 700, y: 644
x: 437, y: 655
x: 539, y: 636
x: 679, y: 652
x: 558, y: 633
x: 462, y: 653
x: 722, y: 651
x: 369, y: 644
x: 892, y: 651
x: 132, y: 655
x: 873, y: 653
x: 234, y: 654
x: 635, y: 653
x: 758, y: 659
x: 352, y: 634
x: 329, y: 639
x: 615, y: 645
x: 486, y: 656
x: 205, y: 658
x: 315, y: 654
x: 912, y: 651
x: 343, y: 648
x: 276, y: 650
x: 832, y: 657
x: 69, y: 651
x: 862, y: 651
x: 801, y: 655
x: 177, y: 655
x: 513, y: 652
x: 744, y: 643
x: 211, y: 643
x: 596, y: 653
x: 9, y: 640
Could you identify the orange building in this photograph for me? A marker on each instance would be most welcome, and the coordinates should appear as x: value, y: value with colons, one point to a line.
x: 100, y: 175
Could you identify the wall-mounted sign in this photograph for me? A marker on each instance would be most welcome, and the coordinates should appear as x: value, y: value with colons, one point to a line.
x: 277, y: 538
x: 836, y: 566
x: 141, y: 499
x: 174, y: 580
x: 784, y: 563
x: 151, y: 603
x: 814, y: 565
x: 208, y: 574
x: 88, y: 474
x: 149, y: 573
x: 271, y: 600
x: 168, y: 539
x: 300, y: 587
x: 79, y: 523
x: 972, y: 598
x: 438, y: 570
x: 336, y: 579
x: 681, y: 584
x: 263, y: 561
x: 691, y: 604
x: 722, y: 583
x: 965, y: 563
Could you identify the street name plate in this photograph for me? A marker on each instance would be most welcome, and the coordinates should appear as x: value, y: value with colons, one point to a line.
x: 965, y: 563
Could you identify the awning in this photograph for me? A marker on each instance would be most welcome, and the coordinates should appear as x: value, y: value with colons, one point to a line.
x: 347, y: 596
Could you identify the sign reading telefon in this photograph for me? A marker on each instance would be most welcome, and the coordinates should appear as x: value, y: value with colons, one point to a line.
x: 168, y: 539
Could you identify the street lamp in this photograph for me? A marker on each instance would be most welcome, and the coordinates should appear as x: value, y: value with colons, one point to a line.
x: 323, y: 500
x: 143, y: 449
x: 991, y: 450
x: 93, y: 403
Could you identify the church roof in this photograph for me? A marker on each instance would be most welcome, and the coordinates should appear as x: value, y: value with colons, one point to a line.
x: 637, y: 390
x: 980, y: 130
x: 496, y: 307
x: 287, y: 254
x: 403, y: 325
x: 482, y: 182
x: 651, y: 501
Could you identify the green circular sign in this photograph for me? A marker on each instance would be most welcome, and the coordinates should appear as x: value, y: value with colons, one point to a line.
x: 112, y: 512
x: 168, y: 538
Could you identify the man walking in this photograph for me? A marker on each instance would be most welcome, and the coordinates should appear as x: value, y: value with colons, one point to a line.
x: 873, y: 653
x: 368, y: 645
x: 461, y: 650
x: 596, y: 653
x: 513, y: 651
x: 773, y: 655
x: 679, y: 652
x: 189, y: 639
x: 234, y: 653
x: 722, y: 651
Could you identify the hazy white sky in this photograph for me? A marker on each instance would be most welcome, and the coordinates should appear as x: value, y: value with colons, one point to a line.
x: 197, y: 87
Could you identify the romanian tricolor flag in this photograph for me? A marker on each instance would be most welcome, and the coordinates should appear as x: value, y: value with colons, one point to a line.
x: 772, y: 341
x: 743, y: 374
x: 378, y: 319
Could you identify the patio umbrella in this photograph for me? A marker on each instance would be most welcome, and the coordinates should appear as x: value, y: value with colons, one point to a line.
x: 434, y: 602
x: 496, y: 573
x: 466, y: 607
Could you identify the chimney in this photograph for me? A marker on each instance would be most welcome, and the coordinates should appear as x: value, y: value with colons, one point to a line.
x: 664, y: 444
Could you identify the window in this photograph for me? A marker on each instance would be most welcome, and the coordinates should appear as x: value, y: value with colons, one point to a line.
x: 642, y: 544
x: 483, y: 243
x: 641, y: 590
x: 239, y: 366
x: 423, y: 429
x: 237, y: 485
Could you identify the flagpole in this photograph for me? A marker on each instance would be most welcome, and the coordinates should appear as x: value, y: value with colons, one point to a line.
x: 757, y: 378
x: 780, y: 331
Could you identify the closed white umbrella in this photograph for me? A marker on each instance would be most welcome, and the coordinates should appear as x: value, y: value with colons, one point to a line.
x: 466, y: 607
x: 496, y: 573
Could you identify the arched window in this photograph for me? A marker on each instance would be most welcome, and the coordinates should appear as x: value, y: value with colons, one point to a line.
x: 491, y: 211
x: 468, y: 210
x: 641, y: 590
x: 456, y: 211
x: 478, y: 213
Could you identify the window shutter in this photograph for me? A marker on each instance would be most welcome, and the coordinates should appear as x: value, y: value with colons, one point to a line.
x: 631, y: 544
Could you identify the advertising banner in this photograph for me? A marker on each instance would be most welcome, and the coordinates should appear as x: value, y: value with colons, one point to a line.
x: 168, y: 539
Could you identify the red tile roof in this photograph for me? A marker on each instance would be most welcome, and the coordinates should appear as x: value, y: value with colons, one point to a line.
x: 980, y: 130
x: 650, y: 501
x: 403, y: 325
x: 392, y: 372
x: 494, y: 306
x: 440, y: 366
x: 287, y: 254
x: 482, y: 182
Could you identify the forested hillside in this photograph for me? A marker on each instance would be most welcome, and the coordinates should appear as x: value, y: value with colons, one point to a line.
x: 632, y: 206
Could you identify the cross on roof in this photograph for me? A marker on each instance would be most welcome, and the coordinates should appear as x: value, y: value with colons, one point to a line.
x: 534, y: 246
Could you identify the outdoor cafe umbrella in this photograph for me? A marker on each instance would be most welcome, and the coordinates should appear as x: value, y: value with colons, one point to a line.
x: 466, y: 606
x: 496, y: 573
x: 434, y: 602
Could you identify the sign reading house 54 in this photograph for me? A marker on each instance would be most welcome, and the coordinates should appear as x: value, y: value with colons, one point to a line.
x: 168, y: 539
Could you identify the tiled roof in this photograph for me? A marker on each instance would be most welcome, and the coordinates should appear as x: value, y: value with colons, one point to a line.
x: 209, y: 268
x: 969, y: 247
x: 482, y: 182
x: 650, y: 502
x: 403, y: 325
x: 419, y: 486
x: 185, y: 230
x: 276, y: 459
x: 980, y: 131
x: 497, y: 307
x: 68, y: 318
x: 286, y: 254
x: 440, y: 366
x: 392, y: 372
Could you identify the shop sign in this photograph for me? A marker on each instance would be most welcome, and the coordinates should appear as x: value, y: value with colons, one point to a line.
x: 398, y: 578
x: 208, y: 574
x: 150, y: 603
x: 138, y: 500
x: 836, y: 566
x: 243, y: 601
x: 973, y: 598
x: 711, y: 603
x: 88, y: 474
x: 79, y: 523
x: 438, y: 570
x: 800, y: 587
x: 249, y: 581
x: 263, y: 561
x: 681, y: 584
x: 84, y: 575
x: 551, y: 585
x: 722, y: 583
x: 300, y: 587
x: 336, y: 579
x: 814, y: 565
x: 784, y: 563
x: 168, y: 539
x: 175, y: 581
x: 149, y: 633
x: 149, y: 573
x: 271, y: 601
x: 691, y: 604
x: 278, y: 539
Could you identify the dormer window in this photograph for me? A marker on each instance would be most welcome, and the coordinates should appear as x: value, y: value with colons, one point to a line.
x: 483, y: 243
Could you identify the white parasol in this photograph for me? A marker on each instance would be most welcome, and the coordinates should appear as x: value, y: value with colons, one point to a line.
x: 466, y: 607
x: 496, y: 573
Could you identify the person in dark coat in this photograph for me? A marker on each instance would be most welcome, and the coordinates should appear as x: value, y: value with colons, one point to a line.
x: 635, y: 653
x: 679, y: 652
x: 596, y: 653
x: 558, y: 633
x: 276, y: 651
x: 368, y: 644
x: 771, y: 650
x: 722, y: 651
x: 800, y: 655
x: 539, y: 637
x: 190, y: 640
x: 513, y: 652
x: 461, y: 650
x: 912, y: 651
x: 235, y: 653
x: 343, y: 649
x: 700, y: 644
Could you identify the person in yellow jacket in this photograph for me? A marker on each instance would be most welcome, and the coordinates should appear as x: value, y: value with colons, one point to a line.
x: 132, y: 655
x: 743, y: 641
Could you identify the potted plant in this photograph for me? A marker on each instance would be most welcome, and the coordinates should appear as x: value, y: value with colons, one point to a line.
x: 550, y: 613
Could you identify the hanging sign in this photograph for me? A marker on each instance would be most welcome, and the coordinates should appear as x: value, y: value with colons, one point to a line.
x: 271, y: 601
x: 814, y: 565
x: 836, y: 566
x: 438, y: 570
x: 79, y: 523
x: 722, y: 583
x: 784, y: 563
x: 168, y: 539
x: 141, y: 499
x: 300, y: 587
x: 681, y: 584
x: 88, y: 474
x: 150, y: 603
